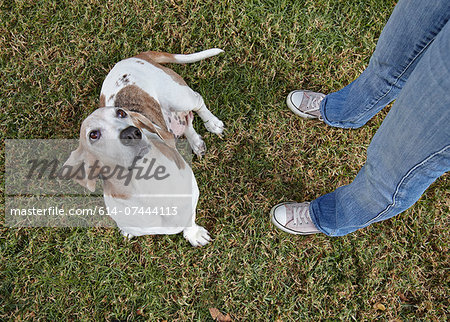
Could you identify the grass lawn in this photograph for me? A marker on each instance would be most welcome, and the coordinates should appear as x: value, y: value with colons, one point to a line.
x: 54, y: 56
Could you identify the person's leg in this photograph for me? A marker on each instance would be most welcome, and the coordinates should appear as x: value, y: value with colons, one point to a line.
x: 410, y: 30
x: 408, y: 153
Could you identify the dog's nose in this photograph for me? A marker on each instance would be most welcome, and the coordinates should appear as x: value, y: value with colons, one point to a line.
x: 130, y: 136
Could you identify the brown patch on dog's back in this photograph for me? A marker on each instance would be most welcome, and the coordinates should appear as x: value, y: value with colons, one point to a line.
x: 135, y: 99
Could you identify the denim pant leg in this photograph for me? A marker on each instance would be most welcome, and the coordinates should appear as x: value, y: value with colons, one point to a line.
x: 408, y: 33
x: 408, y: 153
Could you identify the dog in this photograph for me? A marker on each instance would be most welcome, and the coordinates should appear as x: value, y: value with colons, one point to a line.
x: 144, y: 107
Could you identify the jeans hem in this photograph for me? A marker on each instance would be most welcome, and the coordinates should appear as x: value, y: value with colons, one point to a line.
x: 316, y: 223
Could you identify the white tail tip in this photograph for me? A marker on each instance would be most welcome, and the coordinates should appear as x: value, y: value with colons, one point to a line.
x: 191, y: 58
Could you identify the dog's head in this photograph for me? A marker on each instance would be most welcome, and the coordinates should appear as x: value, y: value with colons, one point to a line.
x: 114, y: 137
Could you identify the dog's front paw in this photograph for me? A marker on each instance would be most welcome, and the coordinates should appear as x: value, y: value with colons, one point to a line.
x: 197, y: 236
x: 214, y: 125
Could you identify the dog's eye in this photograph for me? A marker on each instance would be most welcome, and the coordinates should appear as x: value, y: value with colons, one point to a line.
x: 94, y: 135
x: 121, y: 113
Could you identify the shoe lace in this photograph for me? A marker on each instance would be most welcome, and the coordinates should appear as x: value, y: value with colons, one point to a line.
x: 313, y: 103
x: 301, y: 215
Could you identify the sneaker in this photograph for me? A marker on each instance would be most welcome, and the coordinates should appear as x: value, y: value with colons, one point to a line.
x: 305, y: 104
x: 293, y: 218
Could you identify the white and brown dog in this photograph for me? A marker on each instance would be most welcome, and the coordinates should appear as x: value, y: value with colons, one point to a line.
x: 144, y: 107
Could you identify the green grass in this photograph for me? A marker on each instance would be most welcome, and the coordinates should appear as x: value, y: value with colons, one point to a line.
x: 54, y: 56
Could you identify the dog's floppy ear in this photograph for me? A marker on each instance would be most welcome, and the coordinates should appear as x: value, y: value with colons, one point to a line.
x: 145, y: 123
x: 167, y: 146
x: 82, y: 168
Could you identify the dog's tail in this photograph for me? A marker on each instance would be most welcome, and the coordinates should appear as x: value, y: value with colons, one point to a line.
x: 162, y: 58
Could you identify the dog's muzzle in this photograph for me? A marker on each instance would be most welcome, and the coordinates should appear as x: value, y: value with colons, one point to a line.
x: 130, y: 136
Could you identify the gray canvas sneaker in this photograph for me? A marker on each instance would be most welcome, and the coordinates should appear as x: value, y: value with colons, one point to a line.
x: 293, y: 218
x: 305, y: 103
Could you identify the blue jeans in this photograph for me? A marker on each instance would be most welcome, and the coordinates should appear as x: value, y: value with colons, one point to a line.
x: 411, y: 149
